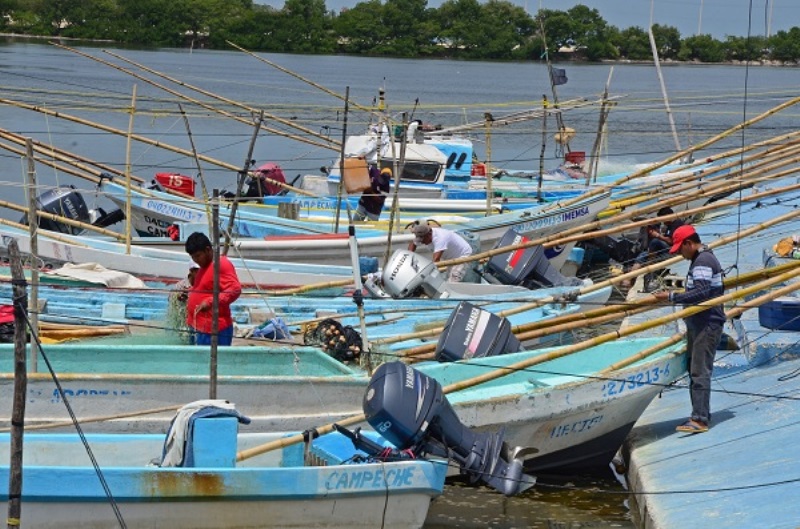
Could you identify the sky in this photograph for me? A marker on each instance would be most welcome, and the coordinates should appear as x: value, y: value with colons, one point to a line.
x: 719, y: 17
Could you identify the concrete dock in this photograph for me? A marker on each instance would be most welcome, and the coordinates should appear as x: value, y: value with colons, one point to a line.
x: 745, y: 471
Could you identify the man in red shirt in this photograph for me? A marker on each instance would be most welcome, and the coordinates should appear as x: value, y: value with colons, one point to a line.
x: 201, y: 295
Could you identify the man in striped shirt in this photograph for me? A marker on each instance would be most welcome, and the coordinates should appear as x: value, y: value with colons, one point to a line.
x: 703, y: 329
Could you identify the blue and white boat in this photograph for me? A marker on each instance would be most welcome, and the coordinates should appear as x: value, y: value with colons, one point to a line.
x: 331, y: 485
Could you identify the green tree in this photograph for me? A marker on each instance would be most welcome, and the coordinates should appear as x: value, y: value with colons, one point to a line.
x: 507, y: 28
x: 7, y: 8
x: 581, y: 28
x: 458, y: 22
x: 252, y: 28
x: 668, y: 41
x: 304, y: 27
x: 634, y: 44
x: 154, y: 22
x: 785, y: 45
x: 744, y: 49
x: 409, y: 31
x: 361, y: 29
x: 703, y: 48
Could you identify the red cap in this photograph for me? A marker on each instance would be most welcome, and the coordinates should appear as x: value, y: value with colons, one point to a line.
x: 680, y: 235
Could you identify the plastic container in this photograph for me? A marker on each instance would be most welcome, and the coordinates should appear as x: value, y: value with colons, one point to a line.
x: 780, y: 314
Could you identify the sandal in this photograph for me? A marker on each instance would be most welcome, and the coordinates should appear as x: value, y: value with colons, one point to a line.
x: 692, y: 426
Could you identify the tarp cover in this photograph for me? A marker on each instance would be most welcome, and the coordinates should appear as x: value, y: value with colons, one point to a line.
x: 95, y: 273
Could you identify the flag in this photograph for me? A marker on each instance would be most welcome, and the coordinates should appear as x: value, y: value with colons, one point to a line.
x: 559, y: 76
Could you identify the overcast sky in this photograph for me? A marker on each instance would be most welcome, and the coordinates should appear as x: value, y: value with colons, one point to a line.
x: 719, y: 17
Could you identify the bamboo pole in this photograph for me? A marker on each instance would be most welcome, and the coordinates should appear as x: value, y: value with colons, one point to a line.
x: 633, y: 329
x: 681, y: 154
x: 248, y: 161
x: 190, y: 99
x: 139, y: 138
x: 730, y: 314
x: 33, y: 228
x: 300, y: 77
x: 203, y: 188
x: 570, y: 322
x: 592, y: 229
x: 52, y: 236
x: 99, y: 418
x: 331, y: 144
x: 525, y: 364
x: 64, y: 220
x: 128, y: 175
x: 602, y: 284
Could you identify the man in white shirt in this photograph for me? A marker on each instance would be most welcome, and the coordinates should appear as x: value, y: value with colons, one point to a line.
x: 446, y: 245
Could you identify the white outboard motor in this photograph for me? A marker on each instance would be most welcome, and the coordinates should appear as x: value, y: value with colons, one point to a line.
x: 409, y: 409
x: 406, y: 272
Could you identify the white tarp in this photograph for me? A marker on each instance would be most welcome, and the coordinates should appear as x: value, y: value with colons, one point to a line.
x: 95, y: 273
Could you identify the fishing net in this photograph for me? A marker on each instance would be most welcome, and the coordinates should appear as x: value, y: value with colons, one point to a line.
x: 340, y: 341
x: 176, y: 317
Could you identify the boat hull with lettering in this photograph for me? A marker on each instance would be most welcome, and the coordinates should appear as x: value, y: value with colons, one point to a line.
x: 574, y: 408
x: 274, y: 490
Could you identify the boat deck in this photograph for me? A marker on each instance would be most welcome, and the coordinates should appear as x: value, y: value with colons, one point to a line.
x: 742, y: 472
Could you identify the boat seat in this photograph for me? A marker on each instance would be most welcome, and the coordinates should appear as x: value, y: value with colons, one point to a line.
x: 214, y: 442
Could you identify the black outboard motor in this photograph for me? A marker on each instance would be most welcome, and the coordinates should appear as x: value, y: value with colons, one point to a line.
x: 472, y: 332
x: 63, y: 201
x: 409, y: 409
x: 526, y: 266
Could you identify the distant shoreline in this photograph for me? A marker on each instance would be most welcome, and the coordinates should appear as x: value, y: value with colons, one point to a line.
x: 665, y: 62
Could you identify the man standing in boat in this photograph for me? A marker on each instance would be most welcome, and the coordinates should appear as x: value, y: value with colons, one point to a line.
x: 371, y: 202
x: 446, y: 245
x: 201, y: 295
x: 704, y: 329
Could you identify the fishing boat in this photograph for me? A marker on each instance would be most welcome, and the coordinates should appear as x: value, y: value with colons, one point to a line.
x: 574, y: 408
x: 328, y: 483
x: 318, y: 243
x: 55, y: 249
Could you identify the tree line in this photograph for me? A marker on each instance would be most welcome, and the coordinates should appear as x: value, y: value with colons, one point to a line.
x: 465, y: 29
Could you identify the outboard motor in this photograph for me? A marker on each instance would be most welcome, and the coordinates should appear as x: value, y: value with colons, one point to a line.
x: 407, y: 272
x: 409, y: 409
x: 64, y: 201
x: 526, y: 266
x: 472, y: 332
x: 259, y: 187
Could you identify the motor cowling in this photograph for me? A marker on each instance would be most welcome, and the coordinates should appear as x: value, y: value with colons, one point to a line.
x: 407, y: 271
x: 64, y: 201
x: 473, y: 332
x: 409, y: 409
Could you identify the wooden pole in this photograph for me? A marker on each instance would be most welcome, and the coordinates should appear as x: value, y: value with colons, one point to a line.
x: 591, y: 174
x: 342, y: 170
x: 203, y: 188
x: 398, y: 168
x: 540, y: 180
x: 33, y: 228
x: 128, y: 175
x: 248, y: 162
x: 212, y: 379
x: 488, y: 121
x: 20, y: 388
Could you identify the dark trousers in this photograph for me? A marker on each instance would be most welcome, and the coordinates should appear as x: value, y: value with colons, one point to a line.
x: 224, y: 337
x: 701, y: 344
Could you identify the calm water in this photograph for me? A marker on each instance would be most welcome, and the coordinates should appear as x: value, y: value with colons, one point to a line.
x: 705, y: 100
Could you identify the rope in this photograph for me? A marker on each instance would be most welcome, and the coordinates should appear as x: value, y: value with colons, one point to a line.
x: 78, y: 428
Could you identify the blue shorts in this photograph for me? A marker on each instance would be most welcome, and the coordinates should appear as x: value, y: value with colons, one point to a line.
x: 224, y: 337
